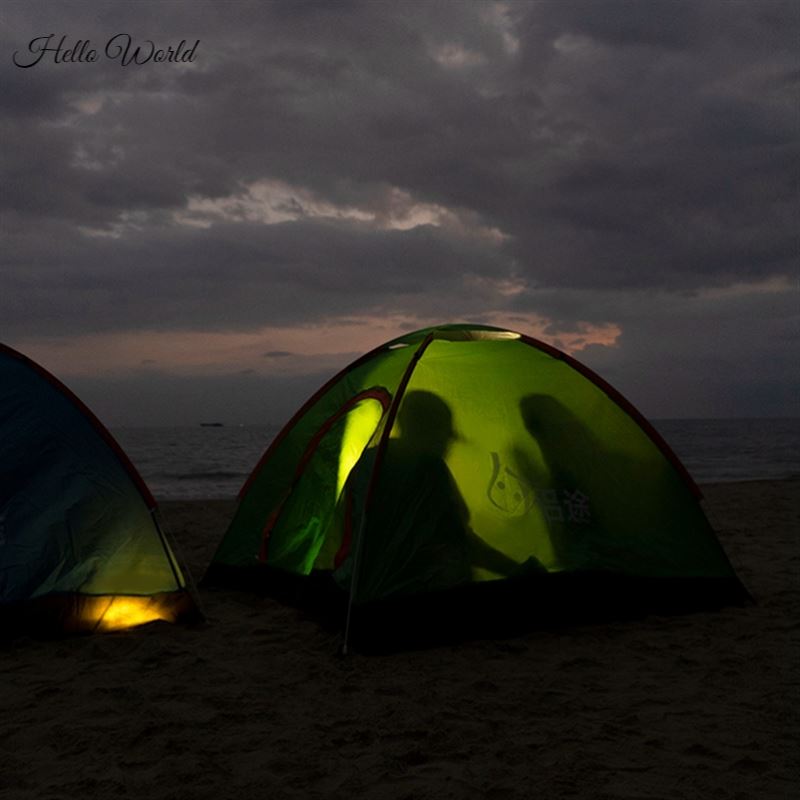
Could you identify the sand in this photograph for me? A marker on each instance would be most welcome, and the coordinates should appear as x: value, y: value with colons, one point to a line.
x: 256, y: 703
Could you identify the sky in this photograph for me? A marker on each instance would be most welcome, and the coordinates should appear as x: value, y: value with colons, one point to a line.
x: 212, y: 239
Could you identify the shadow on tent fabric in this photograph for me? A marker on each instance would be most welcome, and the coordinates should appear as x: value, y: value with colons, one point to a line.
x: 416, y: 533
x: 588, y: 490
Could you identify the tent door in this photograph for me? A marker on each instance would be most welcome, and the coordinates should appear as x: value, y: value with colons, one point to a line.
x: 295, y: 531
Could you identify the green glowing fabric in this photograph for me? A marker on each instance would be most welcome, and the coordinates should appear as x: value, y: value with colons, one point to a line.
x: 461, y: 455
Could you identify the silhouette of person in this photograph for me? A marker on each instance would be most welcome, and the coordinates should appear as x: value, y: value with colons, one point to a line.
x: 561, y: 472
x: 579, y: 488
x: 623, y: 506
x: 416, y: 534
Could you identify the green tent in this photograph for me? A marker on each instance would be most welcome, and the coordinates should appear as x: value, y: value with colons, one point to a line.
x: 466, y: 473
x: 80, y: 545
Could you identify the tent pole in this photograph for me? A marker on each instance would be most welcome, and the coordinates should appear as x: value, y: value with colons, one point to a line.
x: 167, y: 553
x: 177, y: 561
x: 392, y: 413
x: 356, y: 559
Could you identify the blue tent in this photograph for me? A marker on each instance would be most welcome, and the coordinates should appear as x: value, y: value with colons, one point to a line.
x: 80, y: 544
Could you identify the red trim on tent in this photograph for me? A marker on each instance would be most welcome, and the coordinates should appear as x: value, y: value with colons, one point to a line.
x: 623, y: 403
x: 284, y: 431
x: 376, y: 393
x: 269, y: 525
x: 91, y: 418
x: 347, y: 538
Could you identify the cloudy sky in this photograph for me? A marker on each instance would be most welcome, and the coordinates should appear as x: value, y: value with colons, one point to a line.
x: 212, y: 239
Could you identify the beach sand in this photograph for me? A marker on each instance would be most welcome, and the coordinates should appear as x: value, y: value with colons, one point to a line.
x: 256, y: 703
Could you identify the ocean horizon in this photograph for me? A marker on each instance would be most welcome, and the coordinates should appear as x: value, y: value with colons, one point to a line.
x: 213, y: 461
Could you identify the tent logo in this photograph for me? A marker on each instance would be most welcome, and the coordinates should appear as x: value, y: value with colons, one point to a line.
x: 508, y: 491
x: 512, y: 494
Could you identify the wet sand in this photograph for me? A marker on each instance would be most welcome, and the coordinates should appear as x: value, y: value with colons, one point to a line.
x: 256, y: 703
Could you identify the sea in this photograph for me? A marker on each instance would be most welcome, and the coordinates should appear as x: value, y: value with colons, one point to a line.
x: 205, y: 462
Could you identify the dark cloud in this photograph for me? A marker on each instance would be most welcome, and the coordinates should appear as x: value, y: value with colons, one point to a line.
x: 237, y: 276
x: 626, y: 153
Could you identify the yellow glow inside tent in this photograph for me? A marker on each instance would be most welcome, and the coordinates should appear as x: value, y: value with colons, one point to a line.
x: 120, y: 612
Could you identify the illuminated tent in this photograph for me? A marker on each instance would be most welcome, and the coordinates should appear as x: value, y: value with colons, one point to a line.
x: 80, y: 545
x: 461, y: 471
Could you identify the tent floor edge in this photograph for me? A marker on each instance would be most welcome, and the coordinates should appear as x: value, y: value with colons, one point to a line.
x: 488, y: 610
x: 513, y: 607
